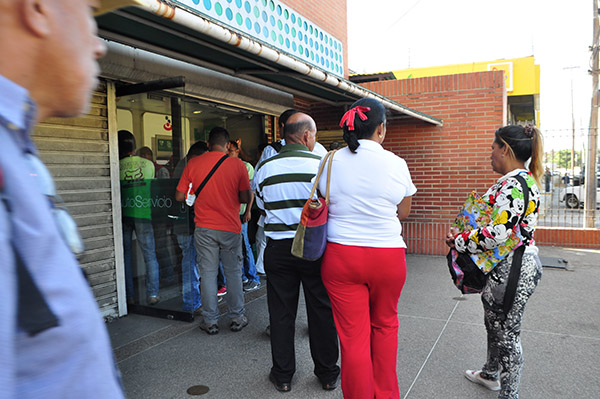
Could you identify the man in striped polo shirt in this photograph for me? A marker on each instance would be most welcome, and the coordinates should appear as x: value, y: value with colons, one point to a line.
x: 283, y: 184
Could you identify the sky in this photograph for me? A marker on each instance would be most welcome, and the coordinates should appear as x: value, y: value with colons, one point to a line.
x: 386, y: 35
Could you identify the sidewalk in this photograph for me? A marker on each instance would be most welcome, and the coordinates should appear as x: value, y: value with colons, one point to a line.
x: 441, y: 334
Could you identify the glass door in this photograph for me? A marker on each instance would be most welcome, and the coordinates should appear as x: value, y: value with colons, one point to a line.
x: 157, y: 130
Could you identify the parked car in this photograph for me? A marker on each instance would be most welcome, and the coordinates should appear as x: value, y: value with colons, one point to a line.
x: 573, y: 196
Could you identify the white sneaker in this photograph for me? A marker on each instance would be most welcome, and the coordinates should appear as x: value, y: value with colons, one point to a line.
x: 475, y: 376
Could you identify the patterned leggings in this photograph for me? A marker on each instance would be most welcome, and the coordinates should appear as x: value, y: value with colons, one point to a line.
x: 504, y: 352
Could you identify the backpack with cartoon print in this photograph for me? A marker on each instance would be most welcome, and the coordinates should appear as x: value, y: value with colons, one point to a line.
x: 469, y: 271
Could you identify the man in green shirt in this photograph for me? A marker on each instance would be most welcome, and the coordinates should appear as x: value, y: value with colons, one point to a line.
x: 137, y: 174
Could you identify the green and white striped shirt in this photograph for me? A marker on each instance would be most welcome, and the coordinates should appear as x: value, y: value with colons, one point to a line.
x: 283, y: 184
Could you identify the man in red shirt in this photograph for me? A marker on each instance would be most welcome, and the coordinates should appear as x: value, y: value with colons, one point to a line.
x: 217, y: 236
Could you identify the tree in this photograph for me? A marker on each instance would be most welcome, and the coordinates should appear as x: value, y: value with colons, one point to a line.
x: 562, y: 158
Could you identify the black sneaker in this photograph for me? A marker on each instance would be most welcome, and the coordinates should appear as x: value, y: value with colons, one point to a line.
x: 210, y: 329
x: 239, y: 323
x: 251, y: 286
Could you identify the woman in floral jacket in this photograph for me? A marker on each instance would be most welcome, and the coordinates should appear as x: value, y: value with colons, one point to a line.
x: 513, y: 146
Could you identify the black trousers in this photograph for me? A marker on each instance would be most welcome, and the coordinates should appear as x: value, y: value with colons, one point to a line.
x: 285, y: 272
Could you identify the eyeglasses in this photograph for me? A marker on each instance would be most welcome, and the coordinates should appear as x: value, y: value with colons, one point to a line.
x: 63, y: 219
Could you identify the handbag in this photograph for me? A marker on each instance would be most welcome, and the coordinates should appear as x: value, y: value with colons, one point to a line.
x: 469, y: 270
x: 310, y: 239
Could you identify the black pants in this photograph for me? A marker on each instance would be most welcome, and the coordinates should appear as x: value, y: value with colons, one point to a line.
x: 285, y: 273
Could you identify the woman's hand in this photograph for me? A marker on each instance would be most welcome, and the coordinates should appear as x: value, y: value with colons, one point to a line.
x: 451, y: 236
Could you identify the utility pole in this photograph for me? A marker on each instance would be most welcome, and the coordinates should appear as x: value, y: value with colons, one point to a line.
x: 572, y: 123
x: 590, y: 172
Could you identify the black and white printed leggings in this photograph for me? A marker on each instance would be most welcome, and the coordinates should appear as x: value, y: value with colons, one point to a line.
x: 504, y: 352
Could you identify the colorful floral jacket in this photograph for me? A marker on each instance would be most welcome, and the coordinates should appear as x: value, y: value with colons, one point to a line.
x: 506, y: 197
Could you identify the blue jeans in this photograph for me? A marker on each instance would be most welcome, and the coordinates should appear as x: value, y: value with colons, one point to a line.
x: 249, y: 271
x: 190, y: 279
x: 145, y: 239
x: 212, y: 245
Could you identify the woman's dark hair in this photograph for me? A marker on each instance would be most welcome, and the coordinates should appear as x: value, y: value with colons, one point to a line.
x: 363, y: 129
x: 524, y: 142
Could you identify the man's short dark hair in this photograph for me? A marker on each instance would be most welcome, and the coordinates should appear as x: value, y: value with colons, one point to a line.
x: 285, y: 115
x: 198, y: 148
x: 126, y: 143
x: 218, y: 136
x: 145, y: 152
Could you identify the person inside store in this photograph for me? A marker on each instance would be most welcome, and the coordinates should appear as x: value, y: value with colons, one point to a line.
x: 53, y: 340
x: 364, y: 266
x: 183, y: 227
x: 161, y: 223
x: 273, y: 148
x: 512, y: 147
x: 136, y: 174
x: 160, y: 171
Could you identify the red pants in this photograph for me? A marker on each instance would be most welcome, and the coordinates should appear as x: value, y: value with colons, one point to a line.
x: 364, y: 286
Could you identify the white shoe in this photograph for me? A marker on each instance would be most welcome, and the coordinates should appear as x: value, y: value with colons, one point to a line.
x: 475, y: 376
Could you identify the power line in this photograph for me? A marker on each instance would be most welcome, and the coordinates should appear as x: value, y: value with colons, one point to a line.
x: 403, y: 15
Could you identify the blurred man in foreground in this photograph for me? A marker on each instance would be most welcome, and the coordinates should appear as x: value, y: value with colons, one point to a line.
x: 53, y: 341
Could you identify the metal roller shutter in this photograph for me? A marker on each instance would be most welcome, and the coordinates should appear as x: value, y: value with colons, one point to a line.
x: 76, y: 151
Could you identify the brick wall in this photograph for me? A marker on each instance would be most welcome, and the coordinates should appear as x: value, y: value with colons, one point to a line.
x: 330, y: 15
x: 446, y: 162
x: 568, y: 237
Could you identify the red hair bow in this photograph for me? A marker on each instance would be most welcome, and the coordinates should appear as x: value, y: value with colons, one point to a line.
x: 349, y: 116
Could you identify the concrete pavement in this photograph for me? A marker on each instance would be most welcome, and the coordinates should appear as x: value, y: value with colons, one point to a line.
x: 441, y: 334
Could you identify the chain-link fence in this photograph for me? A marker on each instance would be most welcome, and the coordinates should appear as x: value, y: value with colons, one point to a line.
x: 563, y: 185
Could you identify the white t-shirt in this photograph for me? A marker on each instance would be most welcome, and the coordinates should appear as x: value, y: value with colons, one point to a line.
x: 364, y: 194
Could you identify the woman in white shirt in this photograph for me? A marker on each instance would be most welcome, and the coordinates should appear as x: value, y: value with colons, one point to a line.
x: 364, y: 265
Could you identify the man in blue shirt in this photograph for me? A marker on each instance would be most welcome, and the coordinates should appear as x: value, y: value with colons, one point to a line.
x: 53, y: 341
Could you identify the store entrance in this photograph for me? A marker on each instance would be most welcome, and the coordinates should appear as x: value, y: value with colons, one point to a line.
x: 156, y: 130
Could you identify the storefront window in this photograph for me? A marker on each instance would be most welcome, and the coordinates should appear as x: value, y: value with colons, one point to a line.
x: 156, y: 132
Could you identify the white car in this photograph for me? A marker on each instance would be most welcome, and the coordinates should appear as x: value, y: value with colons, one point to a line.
x: 573, y: 196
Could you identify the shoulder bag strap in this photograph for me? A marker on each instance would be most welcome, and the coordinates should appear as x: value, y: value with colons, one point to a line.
x: 326, y: 158
x: 515, y: 269
x: 212, y: 172
x: 329, y: 176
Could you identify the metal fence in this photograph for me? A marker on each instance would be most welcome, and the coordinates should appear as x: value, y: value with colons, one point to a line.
x: 563, y: 185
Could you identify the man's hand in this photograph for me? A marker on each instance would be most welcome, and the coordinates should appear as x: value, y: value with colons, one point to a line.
x: 247, y: 215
